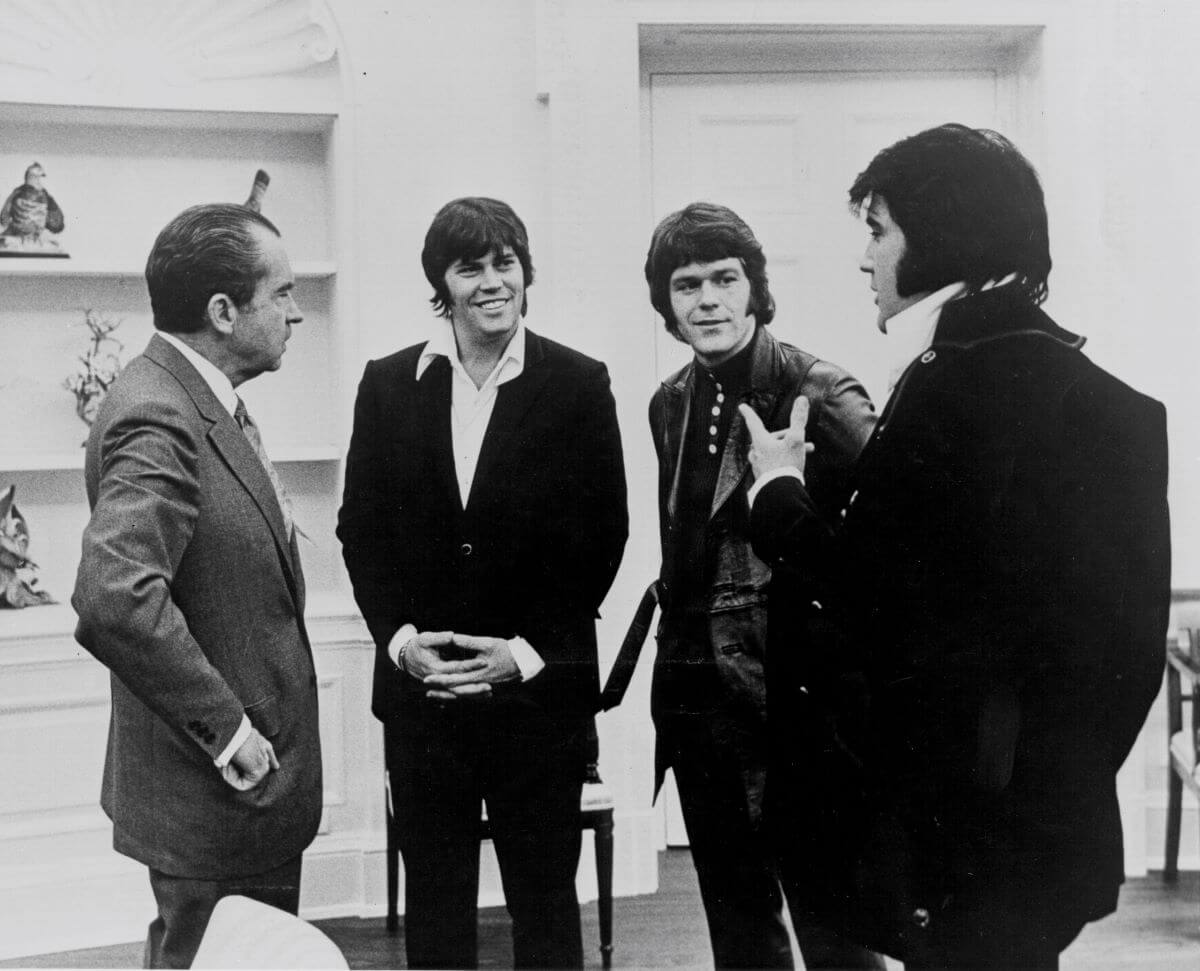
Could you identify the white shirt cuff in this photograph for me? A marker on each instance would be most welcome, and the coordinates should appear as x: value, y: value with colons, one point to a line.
x: 528, y: 660
x: 399, y: 639
x: 239, y: 737
x: 766, y: 477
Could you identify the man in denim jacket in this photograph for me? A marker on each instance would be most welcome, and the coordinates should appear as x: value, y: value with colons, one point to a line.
x: 707, y: 278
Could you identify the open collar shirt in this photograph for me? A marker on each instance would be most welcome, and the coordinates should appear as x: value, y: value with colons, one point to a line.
x: 470, y: 413
x: 470, y: 407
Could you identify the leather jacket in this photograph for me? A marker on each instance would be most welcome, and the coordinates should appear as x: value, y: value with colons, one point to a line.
x: 841, y: 419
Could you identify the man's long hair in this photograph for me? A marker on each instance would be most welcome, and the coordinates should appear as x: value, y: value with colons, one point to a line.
x: 970, y: 206
x: 466, y: 229
x: 705, y: 233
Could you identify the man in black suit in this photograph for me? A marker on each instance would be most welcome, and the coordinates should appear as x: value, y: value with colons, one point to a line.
x: 483, y: 521
x: 973, y: 680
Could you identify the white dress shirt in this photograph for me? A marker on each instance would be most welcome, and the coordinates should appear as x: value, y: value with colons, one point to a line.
x: 911, y: 331
x: 470, y: 413
x: 222, y: 388
x: 470, y: 407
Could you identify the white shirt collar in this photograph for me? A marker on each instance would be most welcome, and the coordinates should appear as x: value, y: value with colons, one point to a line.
x: 213, y: 376
x: 910, y: 332
x: 441, y: 343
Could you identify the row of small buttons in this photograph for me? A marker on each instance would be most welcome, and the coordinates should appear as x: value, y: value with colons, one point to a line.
x: 716, y: 412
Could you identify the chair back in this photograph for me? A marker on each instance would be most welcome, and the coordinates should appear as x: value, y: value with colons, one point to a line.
x: 244, y: 933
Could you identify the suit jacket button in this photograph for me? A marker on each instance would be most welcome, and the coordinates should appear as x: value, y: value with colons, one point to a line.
x: 920, y: 917
x: 466, y: 549
x: 928, y: 356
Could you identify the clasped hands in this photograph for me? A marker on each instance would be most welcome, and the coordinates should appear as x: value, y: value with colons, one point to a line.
x: 784, y: 449
x: 437, y: 659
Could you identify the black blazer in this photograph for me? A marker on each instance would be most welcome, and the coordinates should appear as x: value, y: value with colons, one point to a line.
x: 1002, y: 597
x: 539, y: 542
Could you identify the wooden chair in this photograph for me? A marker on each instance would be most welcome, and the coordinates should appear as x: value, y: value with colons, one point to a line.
x: 1183, y: 744
x: 595, y: 813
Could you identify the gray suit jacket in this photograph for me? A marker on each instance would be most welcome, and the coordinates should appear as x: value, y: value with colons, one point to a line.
x: 190, y: 592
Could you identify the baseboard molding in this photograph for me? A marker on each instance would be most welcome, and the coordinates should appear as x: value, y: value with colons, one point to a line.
x: 98, y: 901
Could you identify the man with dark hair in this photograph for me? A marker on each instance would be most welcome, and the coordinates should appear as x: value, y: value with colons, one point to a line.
x: 190, y: 590
x: 708, y: 280
x: 1004, y: 584
x: 483, y: 521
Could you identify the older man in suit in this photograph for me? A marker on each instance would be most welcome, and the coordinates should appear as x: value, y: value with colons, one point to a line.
x: 190, y: 590
x: 483, y: 521
x: 1001, y: 585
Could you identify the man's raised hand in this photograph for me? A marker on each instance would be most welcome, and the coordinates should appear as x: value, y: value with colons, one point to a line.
x: 784, y: 449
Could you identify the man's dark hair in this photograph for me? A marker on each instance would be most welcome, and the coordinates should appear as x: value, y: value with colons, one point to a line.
x: 466, y: 229
x: 704, y: 233
x: 970, y: 206
x: 204, y: 250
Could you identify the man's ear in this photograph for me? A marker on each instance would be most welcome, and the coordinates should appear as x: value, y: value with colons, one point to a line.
x: 222, y: 312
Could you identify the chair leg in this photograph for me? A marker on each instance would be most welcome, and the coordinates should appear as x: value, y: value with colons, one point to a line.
x: 1174, y: 812
x: 392, y: 858
x: 604, y: 876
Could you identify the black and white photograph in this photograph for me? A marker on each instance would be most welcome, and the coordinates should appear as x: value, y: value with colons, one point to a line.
x: 612, y: 484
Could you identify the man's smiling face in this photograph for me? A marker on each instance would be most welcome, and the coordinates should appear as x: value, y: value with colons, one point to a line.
x: 486, y: 295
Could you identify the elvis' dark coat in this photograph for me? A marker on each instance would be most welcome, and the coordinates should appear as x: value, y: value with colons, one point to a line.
x: 978, y: 667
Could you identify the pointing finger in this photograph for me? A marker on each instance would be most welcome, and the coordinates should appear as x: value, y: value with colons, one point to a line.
x: 799, y: 413
x: 753, y: 423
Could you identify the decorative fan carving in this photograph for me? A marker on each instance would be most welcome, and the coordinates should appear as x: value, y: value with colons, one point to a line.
x: 178, y: 42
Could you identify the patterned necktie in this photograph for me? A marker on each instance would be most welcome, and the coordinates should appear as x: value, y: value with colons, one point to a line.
x: 251, y: 430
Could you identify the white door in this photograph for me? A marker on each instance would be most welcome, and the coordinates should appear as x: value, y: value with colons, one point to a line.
x: 781, y: 149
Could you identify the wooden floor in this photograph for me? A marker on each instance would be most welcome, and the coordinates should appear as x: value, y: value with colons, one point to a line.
x: 1156, y: 928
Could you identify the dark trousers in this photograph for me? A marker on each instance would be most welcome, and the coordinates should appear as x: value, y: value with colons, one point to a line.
x: 719, y: 765
x: 185, y: 905
x: 528, y: 766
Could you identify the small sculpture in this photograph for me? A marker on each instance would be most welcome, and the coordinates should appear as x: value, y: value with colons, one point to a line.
x: 29, y: 219
x: 18, y: 582
x: 100, y: 366
x: 258, y: 190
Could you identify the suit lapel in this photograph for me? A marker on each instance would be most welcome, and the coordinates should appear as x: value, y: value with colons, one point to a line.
x: 677, y: 409
x: 513, y: 401
x: 230, y: 442
x: 433, y: 413
x: 734, y: 461
x: 735, y: 458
